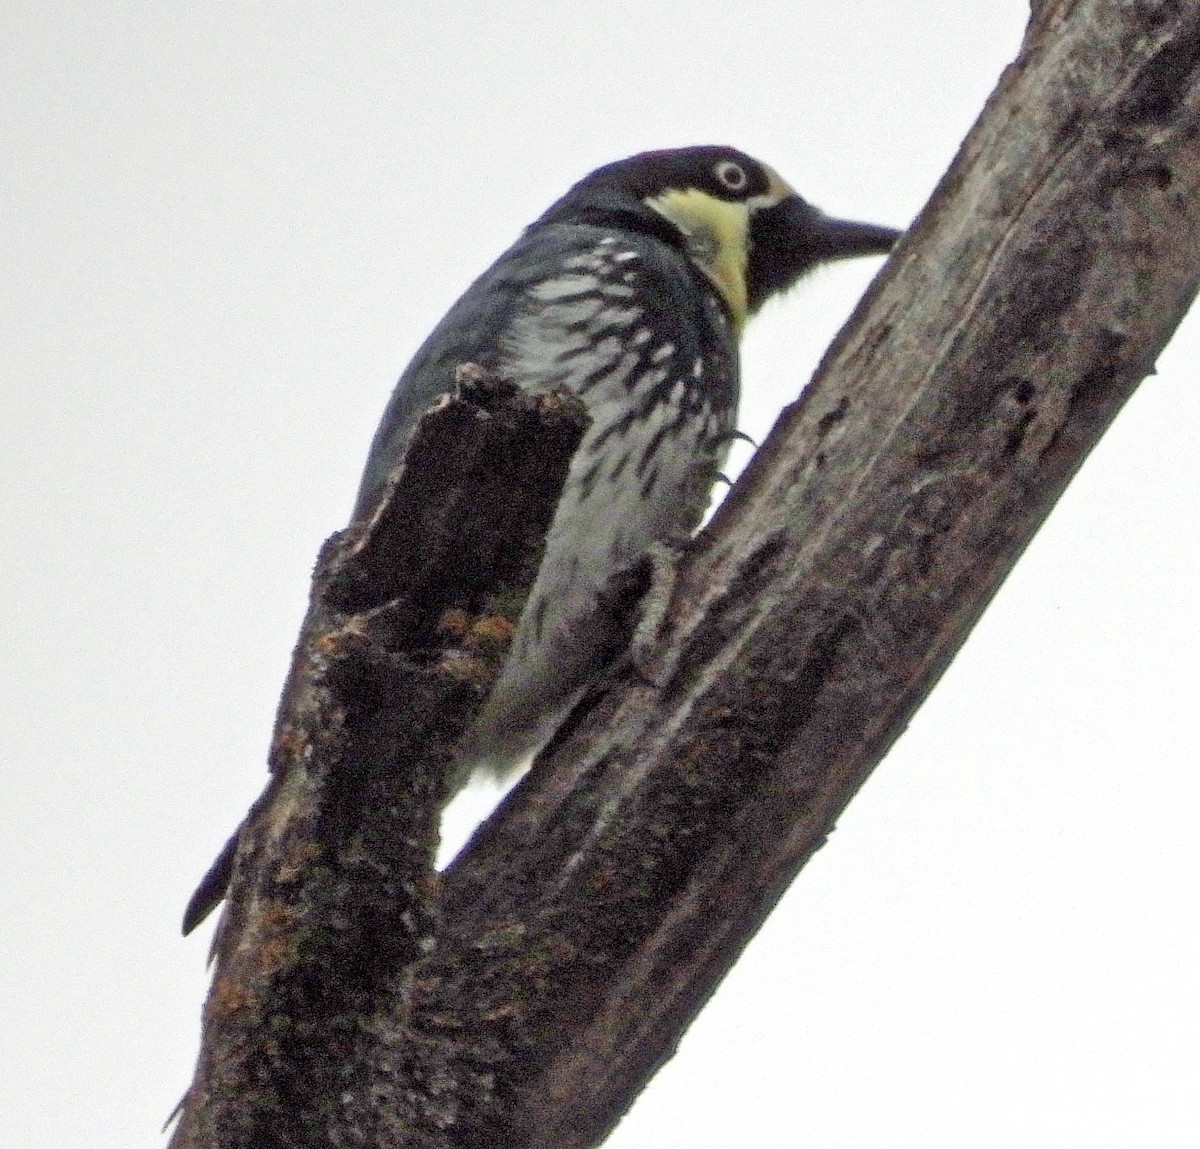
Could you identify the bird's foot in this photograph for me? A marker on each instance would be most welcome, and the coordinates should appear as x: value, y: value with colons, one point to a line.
x: 662, y: 561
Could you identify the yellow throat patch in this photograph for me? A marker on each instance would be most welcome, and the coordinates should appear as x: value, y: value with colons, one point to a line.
x: 716, y: 233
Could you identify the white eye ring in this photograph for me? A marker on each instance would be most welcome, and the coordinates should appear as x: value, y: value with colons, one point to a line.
x: 732, y: 175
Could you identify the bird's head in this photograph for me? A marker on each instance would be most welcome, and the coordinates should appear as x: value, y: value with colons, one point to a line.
x: 738, y: 221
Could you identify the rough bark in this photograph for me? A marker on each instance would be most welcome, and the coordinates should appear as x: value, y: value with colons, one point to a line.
x: 526, y: 998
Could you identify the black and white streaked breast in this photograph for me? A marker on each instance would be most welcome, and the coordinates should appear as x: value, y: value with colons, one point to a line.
x: 621, y: 323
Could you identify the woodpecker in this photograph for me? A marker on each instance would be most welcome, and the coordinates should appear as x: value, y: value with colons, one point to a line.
x: 632, y: 290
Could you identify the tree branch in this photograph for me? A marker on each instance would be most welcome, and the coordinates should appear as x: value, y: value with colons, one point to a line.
x: 587, y: 922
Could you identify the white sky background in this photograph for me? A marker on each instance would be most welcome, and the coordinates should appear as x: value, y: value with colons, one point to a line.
x: 226, y: 228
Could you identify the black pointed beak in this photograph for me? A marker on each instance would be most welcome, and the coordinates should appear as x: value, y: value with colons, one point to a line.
x: 845, y: 238
x: 791, y: 237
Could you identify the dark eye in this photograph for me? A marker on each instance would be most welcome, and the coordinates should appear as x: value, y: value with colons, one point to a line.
x: 732, y: 175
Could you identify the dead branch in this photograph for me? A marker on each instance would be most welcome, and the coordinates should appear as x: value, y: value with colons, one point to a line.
x: 529, y: 999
